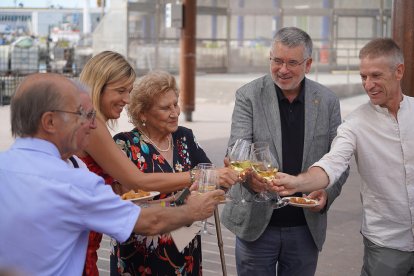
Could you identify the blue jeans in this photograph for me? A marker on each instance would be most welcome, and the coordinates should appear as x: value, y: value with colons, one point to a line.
x: 292, y: 249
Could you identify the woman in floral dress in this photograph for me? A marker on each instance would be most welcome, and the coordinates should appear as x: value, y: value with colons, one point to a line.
x: 158, y: 145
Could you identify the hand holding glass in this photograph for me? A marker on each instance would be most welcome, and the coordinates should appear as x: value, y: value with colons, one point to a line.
x: 263, y: 166
x: 239, y: 156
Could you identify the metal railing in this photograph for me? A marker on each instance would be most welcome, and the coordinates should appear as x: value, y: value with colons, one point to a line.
x: 236, y: 60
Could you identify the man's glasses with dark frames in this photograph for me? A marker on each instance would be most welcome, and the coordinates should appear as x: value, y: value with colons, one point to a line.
x: 289, y: 64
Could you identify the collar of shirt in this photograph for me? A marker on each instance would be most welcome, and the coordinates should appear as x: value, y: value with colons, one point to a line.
x: 384, y: 110
x: 36, y: 144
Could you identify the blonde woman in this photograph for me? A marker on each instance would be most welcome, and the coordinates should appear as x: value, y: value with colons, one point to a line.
x: 110, y: 78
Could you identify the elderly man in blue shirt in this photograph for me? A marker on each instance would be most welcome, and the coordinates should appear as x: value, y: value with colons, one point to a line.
x: 48, y: 208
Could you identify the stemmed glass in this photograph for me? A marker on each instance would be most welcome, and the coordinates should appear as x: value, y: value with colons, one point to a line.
x: 263, y: 164
x: 207, y: 181
x: 206, y: 166
x: 239, y: 156
x: 278, y: 202
x: 260, y: 146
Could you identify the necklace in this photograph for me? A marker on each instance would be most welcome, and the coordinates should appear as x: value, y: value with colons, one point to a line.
x: 155, y: 145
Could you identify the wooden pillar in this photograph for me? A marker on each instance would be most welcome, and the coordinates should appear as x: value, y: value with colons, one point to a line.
x: 403, y: 34
x: 188, y: 59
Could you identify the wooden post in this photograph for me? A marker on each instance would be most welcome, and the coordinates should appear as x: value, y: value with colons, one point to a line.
x: 188, y: 59
x: 403, y: 34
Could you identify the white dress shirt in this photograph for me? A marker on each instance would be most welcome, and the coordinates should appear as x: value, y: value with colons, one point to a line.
x: 384, y: 153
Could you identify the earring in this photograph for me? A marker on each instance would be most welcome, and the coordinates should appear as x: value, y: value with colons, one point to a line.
x: 143, y: 123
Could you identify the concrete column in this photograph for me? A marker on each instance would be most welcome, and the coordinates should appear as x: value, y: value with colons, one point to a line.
x: 214, y: 22
x: 277, y: 19
x: 188, y: 58
x: 240, y: 25
x: 144, y: 26
x: 326, y: 34
x: 403, y: 34
x: 87, y: 18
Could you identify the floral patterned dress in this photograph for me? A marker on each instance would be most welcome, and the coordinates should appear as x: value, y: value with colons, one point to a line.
x: 157, y: 255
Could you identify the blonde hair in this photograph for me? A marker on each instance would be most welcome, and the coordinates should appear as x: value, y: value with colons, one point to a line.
x: 146, y: 89
x: 103, y: 69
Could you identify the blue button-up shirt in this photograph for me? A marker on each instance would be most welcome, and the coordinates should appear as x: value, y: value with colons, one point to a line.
x: 48, y: 208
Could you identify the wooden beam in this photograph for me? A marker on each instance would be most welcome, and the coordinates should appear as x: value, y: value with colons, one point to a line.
x: 188, y: 59
x: 403, y: 35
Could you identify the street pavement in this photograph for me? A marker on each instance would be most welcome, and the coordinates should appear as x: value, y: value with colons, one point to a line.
x: 343, y: 249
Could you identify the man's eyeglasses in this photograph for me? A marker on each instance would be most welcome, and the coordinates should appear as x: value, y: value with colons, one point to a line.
x: 289, y: 64
x: 90, y: 116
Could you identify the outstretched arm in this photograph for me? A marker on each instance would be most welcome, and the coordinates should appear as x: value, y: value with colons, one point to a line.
x: 313, y: 179
x: 157, y: 220
x: 113, y: 161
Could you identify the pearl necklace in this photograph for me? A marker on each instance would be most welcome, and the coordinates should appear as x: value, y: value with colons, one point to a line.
x: 155, y: 145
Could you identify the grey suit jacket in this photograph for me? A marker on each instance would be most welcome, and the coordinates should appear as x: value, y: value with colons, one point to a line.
x: 256, y: 117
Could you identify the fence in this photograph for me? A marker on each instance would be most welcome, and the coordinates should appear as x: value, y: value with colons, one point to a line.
x: 16, y: 63
x: 166, y: 57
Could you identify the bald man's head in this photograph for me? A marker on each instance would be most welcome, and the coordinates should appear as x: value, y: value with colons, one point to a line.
x: 37, y: 94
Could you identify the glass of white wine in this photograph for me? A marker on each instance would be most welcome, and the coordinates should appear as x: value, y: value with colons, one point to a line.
x: 239, y: 156
x: 263, y: 163
x: 199, y: 167
x: 259, y: 146
x: 263, y: 166
x: 208, y: 180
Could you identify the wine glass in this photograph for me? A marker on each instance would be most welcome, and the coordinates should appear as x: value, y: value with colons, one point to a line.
x: 259, y: 146
x: 263, y: 196
x: 207, y: 181
x: 239, y: 157
x: 206, y: 166
x: 262, y: 165
x: 278, y: 202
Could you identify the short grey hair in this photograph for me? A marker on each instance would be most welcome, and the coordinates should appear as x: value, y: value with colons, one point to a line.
x: 30, y: 102
x: 380, y: 47
x: 293, y: 37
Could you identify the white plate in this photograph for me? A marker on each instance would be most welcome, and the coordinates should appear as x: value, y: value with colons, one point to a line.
x: 311, y: 202
x: 148, y: 197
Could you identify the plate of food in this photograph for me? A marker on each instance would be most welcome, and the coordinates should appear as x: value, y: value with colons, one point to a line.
x: 139, y: 195
x: 301, y: 201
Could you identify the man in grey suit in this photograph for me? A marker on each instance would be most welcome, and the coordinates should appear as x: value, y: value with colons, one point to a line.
x: 298, y: 118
